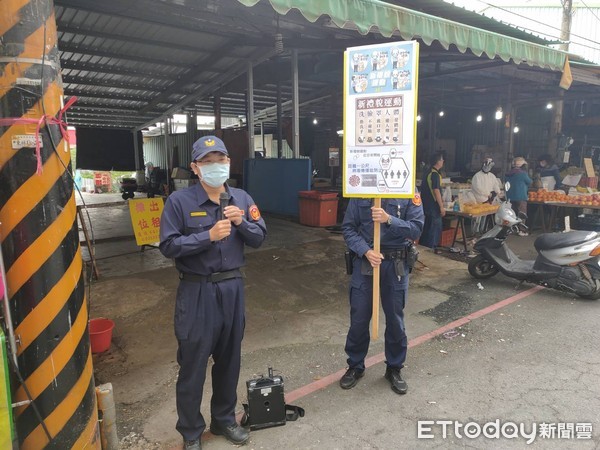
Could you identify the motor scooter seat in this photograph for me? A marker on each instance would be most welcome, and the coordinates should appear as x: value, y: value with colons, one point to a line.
x: 550, y: 241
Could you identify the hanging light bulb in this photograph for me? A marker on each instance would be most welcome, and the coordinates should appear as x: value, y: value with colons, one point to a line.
x: 479, y: 118
x: 315, y: 121
x: 498, y: 114
x: 418, y: 117
x: 441, y: 113
x: 549, y: 105
x: 516, y: 129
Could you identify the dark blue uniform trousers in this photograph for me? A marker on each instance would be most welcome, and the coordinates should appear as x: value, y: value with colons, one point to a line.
x: 393, y: 297
x: 209, y: 320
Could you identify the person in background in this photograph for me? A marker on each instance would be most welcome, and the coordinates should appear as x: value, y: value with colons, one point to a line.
x: 485, y: 186
x: 433, y: 206
x: 549, y: 173
x: 519, y: 185
x: 205, y: 228
x: 401, y: 224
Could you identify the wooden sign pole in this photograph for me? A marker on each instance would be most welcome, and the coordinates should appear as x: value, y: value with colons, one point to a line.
x: 376, y: 248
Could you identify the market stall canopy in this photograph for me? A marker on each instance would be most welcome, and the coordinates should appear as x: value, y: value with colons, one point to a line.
x: 389, y: 20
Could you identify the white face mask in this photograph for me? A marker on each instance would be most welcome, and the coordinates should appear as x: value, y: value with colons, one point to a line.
x: 214, y: 174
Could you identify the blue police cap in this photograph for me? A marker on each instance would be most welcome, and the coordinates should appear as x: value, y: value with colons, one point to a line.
x: 207, y: 144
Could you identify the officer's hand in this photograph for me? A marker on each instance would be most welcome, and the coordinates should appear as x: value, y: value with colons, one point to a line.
x: 379, y: 215
x: 442, y: 212
x: 234, y: 214
x: 220, y: 230
x: 374, y: 258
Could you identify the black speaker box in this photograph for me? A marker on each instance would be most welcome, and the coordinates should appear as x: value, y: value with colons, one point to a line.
x: 266, y: 402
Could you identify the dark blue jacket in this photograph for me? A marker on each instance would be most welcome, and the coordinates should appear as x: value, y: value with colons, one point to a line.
x: 184, y: 231
x: 519, y: 184
x: 552, y: 171
x: 407, y: 224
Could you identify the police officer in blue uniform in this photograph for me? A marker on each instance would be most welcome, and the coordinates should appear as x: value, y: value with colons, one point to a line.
x: 401, y: 223
x: 204, y: 228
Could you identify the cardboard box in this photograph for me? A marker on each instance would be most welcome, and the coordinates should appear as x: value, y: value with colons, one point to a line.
x: 180, y: 173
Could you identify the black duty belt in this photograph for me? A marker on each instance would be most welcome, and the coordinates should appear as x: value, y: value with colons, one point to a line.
x: 394, y: 254
x: 213, y: 277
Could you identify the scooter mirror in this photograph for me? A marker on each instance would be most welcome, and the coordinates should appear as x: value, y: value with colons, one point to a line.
x: 506, y: 186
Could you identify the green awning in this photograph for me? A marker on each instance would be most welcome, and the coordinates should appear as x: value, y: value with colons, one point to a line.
x: 374, y: 15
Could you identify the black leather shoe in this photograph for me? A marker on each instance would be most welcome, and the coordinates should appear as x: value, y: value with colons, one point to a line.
x: 350, y: 378
x: 192, y: 445
x: 233, y: 433
x: 399, y: 386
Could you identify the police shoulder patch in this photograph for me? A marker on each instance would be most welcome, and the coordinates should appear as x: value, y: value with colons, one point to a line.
x: 254, y: 212
x: 417, y: 200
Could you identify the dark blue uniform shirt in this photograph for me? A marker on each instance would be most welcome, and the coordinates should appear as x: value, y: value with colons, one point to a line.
x: 407, y: 223
x: 188, y: 216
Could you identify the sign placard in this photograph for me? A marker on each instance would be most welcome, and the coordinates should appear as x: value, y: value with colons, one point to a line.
x: 380, y: 109
x: 145, y: 218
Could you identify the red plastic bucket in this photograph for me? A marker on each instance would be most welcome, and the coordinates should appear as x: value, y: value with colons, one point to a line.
x: 101, y: 334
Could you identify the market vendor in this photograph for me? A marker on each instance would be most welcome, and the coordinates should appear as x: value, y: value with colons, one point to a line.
x: 484, y: 184
x: 549, y: 173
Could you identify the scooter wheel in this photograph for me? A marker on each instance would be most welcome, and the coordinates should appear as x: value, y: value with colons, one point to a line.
x: 481, y: 268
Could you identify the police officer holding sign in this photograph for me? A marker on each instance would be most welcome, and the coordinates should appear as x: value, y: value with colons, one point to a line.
x: 204, y: 228
x: 402, y: 223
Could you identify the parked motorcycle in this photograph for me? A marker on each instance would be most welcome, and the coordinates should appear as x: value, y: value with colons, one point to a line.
x: 567, y: 261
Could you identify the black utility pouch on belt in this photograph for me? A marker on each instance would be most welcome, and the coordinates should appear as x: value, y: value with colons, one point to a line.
x: 266, y: 404
x: 349, y: 258
x: 412, y: 256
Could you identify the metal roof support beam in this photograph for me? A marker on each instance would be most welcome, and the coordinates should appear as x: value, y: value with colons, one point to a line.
x: 250, y: 113
x: 509, y: 135
x: 88, y: 50
x: 106, y: 96
x: 257, y: 57
x: 136, y: 153
x: 69, y: 79
x: 111, y: 70
x: 120, y: 37
x: 279, y: 109
x: 295, y: 105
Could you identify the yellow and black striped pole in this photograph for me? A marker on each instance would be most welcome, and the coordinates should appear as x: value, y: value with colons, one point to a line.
x: 39, y: 238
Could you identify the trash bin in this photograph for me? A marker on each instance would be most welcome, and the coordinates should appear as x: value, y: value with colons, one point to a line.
x: 318, y: 209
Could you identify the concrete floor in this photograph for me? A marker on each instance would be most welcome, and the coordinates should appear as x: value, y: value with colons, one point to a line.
x: 531, y: 359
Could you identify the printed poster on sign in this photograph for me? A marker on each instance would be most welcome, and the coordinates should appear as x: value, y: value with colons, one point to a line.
x: 380, y: 105
x: 145, y: 218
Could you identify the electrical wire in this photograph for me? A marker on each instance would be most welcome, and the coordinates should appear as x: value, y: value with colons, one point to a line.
x: 68, y: 172
x: 590, y: 10
x: 545, y: 25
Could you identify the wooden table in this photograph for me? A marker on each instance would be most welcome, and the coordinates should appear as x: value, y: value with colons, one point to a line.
x: 461, y: 216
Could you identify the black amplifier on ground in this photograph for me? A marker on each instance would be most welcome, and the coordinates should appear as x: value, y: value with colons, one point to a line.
x: 266, y: 402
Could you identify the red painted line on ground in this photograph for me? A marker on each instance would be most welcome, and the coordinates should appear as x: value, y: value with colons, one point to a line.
x: 334, y: 377
x: 376, y: 359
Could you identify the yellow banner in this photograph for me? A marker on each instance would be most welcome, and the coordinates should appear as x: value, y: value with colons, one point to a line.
x: 145, y: 218
x: 567, y: 78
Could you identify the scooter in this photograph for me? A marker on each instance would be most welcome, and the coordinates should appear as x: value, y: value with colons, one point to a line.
x: 568, y: 261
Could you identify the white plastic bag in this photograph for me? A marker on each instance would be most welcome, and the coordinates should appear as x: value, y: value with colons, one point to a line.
x: 447, y: 195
